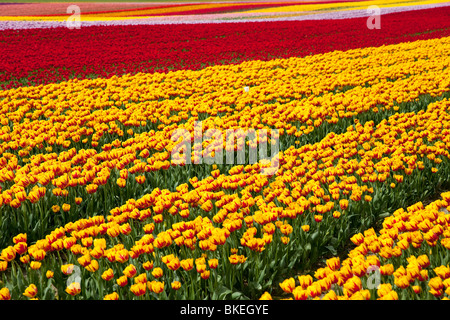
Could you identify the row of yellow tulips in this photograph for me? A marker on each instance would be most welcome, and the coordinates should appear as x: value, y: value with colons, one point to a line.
x: 120, y: 129
x: 407, y: 259
x: 320, y: 196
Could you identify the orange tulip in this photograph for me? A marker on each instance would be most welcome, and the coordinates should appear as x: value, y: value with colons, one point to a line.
x: 333, y: 263
x: 8, y: 254
x: 288, y: 285
x: 176, y: 285
x: 21, y: 237
x: 148, y: 265
x: 205, y: 274
x: 157, y: 273
x: 305, y: 281
x: 213, y: 263
x: 111, y: 296
x: 187, y: 264
x: 156, y: 286
x: 5, y: 294
x: 138, y: 289
x: 436, y: 284
x: 30, y: 291
x: 73, y: 289
x: 122, y: 281
x: 300, y: 293
x: 130, y: 271
x: 305, y: 228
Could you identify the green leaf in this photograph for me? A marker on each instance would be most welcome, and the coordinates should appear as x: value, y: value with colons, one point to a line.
x: 48, y: 293
x: 294, y: 258
x: 87, y: 288
x: 331, y: 249
x: 20, y: 284
x: 269, y: 283
x: 237, y: 295
x: 315, y: 236
x: 262, y: 275
x: 282, y: 263
x: 307, y: 248
x: 255, y: 286
x: 222, y: 292
x: 384, y: 215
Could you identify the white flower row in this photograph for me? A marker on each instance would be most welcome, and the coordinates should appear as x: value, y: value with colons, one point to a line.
x: 220, y: 18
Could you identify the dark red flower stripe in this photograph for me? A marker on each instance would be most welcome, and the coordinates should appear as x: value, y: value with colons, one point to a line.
x: 43, y: 56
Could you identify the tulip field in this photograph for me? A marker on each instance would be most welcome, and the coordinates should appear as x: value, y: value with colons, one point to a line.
x: 98, y: 201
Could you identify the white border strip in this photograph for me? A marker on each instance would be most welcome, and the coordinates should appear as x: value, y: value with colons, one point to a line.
x: 213, y: 18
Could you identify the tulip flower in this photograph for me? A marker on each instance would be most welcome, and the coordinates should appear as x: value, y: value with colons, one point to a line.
x: 157, y: 272
x: 8, y: 254
x: 148, y: 265
x: 30, y: 291
x: 130, y: 271
x: 288, y: 285
x: 5, y: 294
x: 122, y: 281
x: 111, y: 296
x: 138, y: 289
x: 67, y: 269
x: 35, y: 265
x: 187, y: 264
x: 108, y: 274
x: 156, y: 286
x: 73, y: 289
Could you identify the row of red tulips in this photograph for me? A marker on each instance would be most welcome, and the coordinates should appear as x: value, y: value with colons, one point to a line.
x: 42, y: 56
